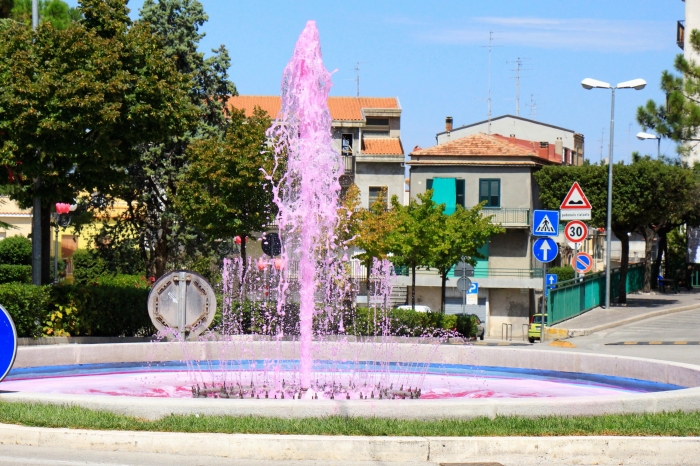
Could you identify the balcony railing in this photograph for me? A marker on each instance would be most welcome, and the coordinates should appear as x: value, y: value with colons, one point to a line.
x: 509, y: 217
x: 680, y: 34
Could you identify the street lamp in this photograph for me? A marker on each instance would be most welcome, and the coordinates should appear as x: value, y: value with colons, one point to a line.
x: 642, y: 136
x: 62, y: 218
x: 587, y: 84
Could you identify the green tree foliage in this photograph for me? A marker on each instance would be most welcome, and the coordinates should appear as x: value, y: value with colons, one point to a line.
x: 75, y: 102
x: 225, y: 191
x: 16, y: 250
x: 679, y: 117
x: 374, y: 227
x: 152, y: 189
x: 455, y: 236
x: 56, y: 12
x: 415, y: 226
x: 645, y: 194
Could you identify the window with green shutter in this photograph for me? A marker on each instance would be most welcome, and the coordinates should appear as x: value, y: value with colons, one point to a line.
x: 490, y: 191
x: 461, y: 190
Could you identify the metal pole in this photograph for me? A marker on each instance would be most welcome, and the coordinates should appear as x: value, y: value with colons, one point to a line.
x: 658, y: 149
x: 608, y: 231
x: 55, y: 254
x: 36, y: 210
x: 575, y: 257
x: 544, y: 301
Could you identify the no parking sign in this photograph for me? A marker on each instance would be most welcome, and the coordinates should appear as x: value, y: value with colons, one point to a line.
x: 8, y: 342
x: 583, y: 262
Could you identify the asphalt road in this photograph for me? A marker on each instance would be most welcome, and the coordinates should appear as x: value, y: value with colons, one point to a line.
x: 678, y: 327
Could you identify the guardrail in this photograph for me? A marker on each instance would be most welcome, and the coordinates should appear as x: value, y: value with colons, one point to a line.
x: 573, y: 297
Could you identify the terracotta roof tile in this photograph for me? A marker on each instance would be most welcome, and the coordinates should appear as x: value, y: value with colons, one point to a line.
x: 342, y: 108
x: 381, y: 146
x: 489, y: 145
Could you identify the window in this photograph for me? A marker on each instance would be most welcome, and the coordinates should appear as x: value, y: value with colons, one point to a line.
x: 346, y: 144
x: 490, y: 191
x: 376, y: 127
x: 377, y: 193
x: 461, y: 189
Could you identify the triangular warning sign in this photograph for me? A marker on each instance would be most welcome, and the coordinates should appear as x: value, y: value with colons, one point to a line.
x: 575, y: 199
x: 545, y: 226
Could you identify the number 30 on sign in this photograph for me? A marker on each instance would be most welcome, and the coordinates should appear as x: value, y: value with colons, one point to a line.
x: 576, y: 231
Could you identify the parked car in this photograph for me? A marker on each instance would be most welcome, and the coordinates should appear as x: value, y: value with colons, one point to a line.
x: 534, y: 332
x: 419, y: 308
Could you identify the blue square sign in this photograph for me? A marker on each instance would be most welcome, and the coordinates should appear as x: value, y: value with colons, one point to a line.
x: 545, y: 223
x: 552, y: 279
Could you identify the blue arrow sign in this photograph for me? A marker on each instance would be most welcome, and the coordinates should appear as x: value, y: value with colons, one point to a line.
x: 545, y: 249
x: 552, y: 279
x: 545, y: 223
x: 8, y: 343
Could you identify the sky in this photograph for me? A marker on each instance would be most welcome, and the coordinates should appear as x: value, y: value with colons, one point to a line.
x: 433, y: 56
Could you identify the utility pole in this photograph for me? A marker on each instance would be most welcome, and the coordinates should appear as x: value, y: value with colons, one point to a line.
x: 36, y: 210
x: 518, y: 65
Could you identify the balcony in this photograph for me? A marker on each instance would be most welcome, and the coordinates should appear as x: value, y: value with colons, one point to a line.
x: 508, y: 217
x: 680, y: 34
x: 348, y: 176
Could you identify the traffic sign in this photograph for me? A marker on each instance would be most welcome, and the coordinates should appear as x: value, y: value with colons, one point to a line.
x: 545, y: 223
x: 545, y: 249
x: 575, y: 205
x: 463, y: 284
x: 551, y: 279
x: 464, y: 269
x: 473, y: 294
x: 8, y: 342
x: 583, y: 262
x: 576, y: 231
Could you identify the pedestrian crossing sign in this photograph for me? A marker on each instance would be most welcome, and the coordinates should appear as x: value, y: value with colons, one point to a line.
x: 545, y: 223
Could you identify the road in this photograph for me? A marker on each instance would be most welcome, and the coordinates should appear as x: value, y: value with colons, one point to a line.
x: 678, y: 327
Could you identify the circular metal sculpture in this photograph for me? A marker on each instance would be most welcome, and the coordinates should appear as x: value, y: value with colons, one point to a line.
x: 184, y: 301
x: 8, y: 342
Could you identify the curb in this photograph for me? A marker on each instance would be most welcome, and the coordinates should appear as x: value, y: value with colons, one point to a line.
x: 587, y: 331
x: 592, y: 450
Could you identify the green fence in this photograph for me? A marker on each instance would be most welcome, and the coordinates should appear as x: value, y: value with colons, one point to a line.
x: 573, y: 297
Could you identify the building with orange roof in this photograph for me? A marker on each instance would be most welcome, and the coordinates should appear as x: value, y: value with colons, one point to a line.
x: 366, y: 131
x: 497, y: 170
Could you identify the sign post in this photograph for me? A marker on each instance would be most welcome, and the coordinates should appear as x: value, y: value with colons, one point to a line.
x: 576, y: 232
x: 544, y: 250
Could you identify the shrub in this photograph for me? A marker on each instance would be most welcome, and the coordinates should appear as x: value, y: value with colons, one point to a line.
x: 16, y: 250
x: 87, y: 267
x: 563, y: 273
x: 28, y: 305
x: 466, y: 325
x: 15, y: 273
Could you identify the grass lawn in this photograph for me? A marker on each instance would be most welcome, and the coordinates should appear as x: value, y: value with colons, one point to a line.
x: 45, y: 415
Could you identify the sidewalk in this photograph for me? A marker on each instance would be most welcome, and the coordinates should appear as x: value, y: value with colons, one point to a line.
x: 639, y: 307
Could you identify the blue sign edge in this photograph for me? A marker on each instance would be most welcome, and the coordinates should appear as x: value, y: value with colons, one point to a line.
x: 14, y: 332
x: 540, y: 235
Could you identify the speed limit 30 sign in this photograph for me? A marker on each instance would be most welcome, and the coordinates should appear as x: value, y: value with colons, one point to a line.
x: 576, y: 231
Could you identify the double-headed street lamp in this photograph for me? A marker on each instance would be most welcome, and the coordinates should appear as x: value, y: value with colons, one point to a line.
x: 643, y: 136
x: 589, y: 83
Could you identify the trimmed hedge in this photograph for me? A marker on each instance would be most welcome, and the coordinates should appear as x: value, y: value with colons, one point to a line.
x: 75, y: 310
x: 15, y: 273
x: 16, y: 250
x: 563, y: 273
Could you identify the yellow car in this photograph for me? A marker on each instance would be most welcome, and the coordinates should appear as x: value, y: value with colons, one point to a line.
x: 533, y: 332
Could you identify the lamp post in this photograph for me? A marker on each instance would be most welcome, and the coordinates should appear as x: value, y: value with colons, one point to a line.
x: 62, y: 218
x: 642, y: 136
x: 588, y: 84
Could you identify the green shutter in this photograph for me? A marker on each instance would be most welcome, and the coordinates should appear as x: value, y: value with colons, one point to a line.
x: 445, y: 192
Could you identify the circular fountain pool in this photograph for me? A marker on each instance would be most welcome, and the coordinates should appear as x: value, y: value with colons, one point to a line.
x: 249, y: 379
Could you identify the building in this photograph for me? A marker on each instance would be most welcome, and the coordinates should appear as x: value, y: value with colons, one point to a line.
x: 366, y: 131
x: 498, y: 170
x: 683, y: 29
x: 567, y: 143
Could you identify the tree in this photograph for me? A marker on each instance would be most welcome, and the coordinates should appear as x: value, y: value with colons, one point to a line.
x: 453, y: 236
x: 152, y: 188
x: 225, y: 191
x: 374, y: 225
x: 409, y: 241
x: 679, y: 117
x: 56, y: 12
x: 75, y: 102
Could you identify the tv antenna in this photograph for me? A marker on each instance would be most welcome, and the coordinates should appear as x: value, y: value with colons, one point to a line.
x: 533, y: 107
x: 518, y: 68
x: 357, y: 76
x: 488, y: 99
x: 602, y: 139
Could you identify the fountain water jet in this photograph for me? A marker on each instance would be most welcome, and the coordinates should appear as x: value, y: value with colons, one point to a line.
x: 307, y: 194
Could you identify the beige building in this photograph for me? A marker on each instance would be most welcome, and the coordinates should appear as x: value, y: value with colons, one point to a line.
x: 683, y: 29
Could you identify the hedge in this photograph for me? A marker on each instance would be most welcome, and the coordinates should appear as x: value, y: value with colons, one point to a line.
x: 15, y: 273
x: 16, y: 250
x: 563, y: 273
x: 74, y: 310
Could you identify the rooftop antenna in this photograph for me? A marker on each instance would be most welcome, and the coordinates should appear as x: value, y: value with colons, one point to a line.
x: 518, y: 65
x: 488, y: 99
x: 533, y: 107
x: 357, y: 76
x: 602, y: 139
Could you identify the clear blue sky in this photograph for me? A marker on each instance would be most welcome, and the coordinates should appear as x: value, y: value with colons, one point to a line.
x: 430, y: 55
